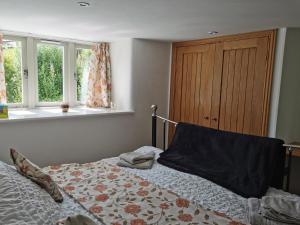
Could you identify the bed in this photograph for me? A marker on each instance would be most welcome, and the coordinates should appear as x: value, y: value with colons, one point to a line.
x: 22, y: 200
x: 25, y: 203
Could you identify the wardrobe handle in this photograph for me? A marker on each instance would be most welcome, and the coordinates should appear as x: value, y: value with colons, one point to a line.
x: 215, y: 119
x: 207, y: 118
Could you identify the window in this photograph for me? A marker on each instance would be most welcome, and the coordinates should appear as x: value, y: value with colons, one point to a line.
x: 40, y: 72
x: 82, y: 69
x: 13, y: 67
x: 50, y: 65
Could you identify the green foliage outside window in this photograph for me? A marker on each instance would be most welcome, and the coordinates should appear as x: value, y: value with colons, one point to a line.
x: 13, y: 78
x: 82, y: 65
x: 50, y: 73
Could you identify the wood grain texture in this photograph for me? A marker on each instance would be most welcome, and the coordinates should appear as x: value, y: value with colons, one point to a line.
x: 249, y: 91
x: 171, y: 128
x: 242, y: 109
x: 192, y: 85
x: 216, y: 93
x: 222, y: 39
x: 242, y: 92
x: 223, y: 82
x: 197, y: 89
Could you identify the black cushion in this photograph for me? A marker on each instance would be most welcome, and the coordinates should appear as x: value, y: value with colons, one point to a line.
x: 244, y: 164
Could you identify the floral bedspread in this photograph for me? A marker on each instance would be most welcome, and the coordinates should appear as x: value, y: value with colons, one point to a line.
x: 117, y: 197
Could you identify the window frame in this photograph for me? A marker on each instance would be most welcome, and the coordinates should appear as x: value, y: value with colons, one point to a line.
x: 24, y: 63
x: 36, y: 88
x: 29, y: 63
x: 78, y: 46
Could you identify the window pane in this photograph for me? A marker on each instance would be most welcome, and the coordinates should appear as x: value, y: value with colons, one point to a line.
x: 50, y: 72
x: 82, y: 70
x: 12, y: 51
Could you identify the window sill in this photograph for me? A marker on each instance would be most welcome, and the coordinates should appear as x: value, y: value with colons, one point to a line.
x: 45, y: 113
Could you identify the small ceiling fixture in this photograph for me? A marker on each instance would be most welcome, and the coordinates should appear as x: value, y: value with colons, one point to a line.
x: 213, y: 32
x: 83, y: 4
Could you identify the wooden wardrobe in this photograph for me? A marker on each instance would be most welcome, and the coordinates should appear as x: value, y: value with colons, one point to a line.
x: 223, y: 82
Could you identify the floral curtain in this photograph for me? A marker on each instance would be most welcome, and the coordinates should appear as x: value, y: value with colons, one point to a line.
x: 99, y: 80
x: 2, y: 76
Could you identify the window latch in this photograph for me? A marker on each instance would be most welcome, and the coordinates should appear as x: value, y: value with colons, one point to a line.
x: 25, y: 73
x: 75, y: 76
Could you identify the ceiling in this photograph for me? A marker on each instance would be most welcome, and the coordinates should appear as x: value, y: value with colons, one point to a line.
x: 170, y: 20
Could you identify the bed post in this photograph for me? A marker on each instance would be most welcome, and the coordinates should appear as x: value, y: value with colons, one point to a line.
x: 154, y: 109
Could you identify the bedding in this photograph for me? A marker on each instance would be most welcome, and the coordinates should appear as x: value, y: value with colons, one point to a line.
x: 143, y: 166
x: 136, y: 157
x: 25, y: 203
x: 136, y: 160
x: 280, y: 209
x: 115, y: 196
x: 76, y: 220
x: 194, y: 188
x: 245, y: 164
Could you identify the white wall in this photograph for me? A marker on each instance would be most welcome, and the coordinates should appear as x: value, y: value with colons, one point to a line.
x: 277, y: 72
x: 288, y: 120
x: 284, y: 120
x: 141, y: 73
x: 121, y: 56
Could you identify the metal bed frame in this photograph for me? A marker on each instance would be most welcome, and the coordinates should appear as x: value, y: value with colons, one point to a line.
x: 289, y: 147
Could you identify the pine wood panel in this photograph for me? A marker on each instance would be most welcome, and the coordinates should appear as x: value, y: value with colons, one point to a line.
x: 242, y: 94
x: 217, y: 79
x: 206, y: 87
x: 267, y: 33
x: 197, y: 88
x: 242, y: 109
x: 191, y: 95
x: 246, y: 123
x: 223, y: 82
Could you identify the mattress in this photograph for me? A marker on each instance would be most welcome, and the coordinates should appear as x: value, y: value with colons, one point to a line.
x: 22, y: 200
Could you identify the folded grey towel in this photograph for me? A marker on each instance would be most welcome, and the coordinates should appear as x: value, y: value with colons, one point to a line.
x: 76, y: 220
x: 281, y: 209
x: 143, y: 165
x: 137, y: 157
x: 254, y: 215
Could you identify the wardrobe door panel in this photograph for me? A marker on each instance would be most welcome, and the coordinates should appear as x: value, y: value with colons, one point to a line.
x: 216, y: 87
x: 223, y: 82
x: 259, y: 91
x: 206, y: 87
x: 242, y: 94
x: 244, y: 79
x: 192, y: 89
x: 246, y: 122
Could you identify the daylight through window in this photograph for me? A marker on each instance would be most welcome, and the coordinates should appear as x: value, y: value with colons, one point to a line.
x: 82, y: 70
x: 12, y: 51
x: 41, y: 72
x: 50, y: 72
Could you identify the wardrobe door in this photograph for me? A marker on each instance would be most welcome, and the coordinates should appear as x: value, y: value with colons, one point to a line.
x: 245, y: 86
x: 192, y: 86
